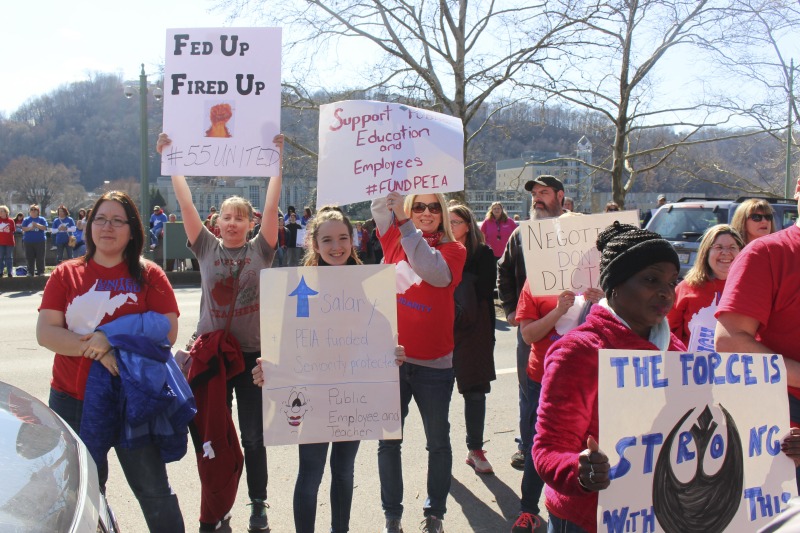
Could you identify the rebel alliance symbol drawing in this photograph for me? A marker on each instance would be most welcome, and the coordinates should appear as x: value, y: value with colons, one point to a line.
x: 706, y: 503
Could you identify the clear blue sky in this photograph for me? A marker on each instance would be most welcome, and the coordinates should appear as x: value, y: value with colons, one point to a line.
x: 48, y: 43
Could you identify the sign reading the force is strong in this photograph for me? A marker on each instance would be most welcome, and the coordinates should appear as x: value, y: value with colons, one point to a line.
x: 369, y: 149
x: 560, y: 253
x: 328, y: 337
x: 222, y: 104
x: 694, y: 441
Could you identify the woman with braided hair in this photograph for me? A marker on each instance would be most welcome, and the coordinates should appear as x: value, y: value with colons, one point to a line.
x: 638, y: 274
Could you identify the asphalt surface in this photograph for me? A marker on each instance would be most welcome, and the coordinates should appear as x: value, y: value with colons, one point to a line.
x: 477, y: 503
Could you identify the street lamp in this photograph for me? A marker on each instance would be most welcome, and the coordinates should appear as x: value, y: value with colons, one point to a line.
x: 158, y: 94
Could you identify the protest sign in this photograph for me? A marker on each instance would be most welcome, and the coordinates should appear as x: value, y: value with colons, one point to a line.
x: 222, y: 104
x: 369, y: 149
x: 560, y: 253
x: 328, y: 337
x: 694, y: 441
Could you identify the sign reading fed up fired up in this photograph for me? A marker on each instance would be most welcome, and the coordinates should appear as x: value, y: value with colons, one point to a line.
x: 222, y: 104
x: 560, y: 253
x: 328, y: 337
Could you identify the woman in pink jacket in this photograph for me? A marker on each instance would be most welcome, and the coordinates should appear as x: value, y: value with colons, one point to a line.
x: 497, y: 228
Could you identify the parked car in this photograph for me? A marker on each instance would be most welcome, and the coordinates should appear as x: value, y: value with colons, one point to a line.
x: 683, y: 222
x: 49, y: 480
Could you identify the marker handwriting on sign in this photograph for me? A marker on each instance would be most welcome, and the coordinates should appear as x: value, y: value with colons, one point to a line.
x: 697, y: 369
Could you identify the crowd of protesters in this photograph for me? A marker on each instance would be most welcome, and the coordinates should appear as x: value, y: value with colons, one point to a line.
x: 459, y: 260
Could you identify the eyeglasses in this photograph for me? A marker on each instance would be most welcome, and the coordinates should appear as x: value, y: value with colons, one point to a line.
x: 115, y: 222
x: 419, y: 207
x: 456, y: 222
x: 718, y: 249
x: 758, y: 217
x: 612, y: 209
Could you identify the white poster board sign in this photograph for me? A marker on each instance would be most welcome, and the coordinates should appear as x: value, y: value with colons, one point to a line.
x: 560, y: 253
x: 222, y: 101
x: 694, y: 441
x: 369, y: 149
x: 328, y: 337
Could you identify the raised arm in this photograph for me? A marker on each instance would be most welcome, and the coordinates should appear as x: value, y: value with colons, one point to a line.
x: 269, y: 220
x: 192, y: 222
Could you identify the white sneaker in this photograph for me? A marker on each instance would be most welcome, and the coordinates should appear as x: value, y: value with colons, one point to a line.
x: 477, y: 460
x: 393, y: 525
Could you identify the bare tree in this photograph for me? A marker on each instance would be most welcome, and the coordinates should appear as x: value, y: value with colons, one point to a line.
x: 449, y: 56
x: 616, y: 73
x: 37, y: 181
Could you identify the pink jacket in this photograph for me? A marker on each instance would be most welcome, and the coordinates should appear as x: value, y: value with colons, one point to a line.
x: 567, y: 412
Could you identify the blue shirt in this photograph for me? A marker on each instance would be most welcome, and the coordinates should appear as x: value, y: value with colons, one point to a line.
x: 36, y: 234
x: 62, y: 237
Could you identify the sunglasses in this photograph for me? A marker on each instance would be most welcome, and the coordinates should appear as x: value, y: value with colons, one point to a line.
x: 419, y: 207
x: 757, y: 217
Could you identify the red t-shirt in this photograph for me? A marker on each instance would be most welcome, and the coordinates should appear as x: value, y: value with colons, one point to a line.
x: 689, y: 301
x: 90, y: 295
x: 425, y: 314
x: 531, y: 307
x: 764, y: 284
x: 7, y: 231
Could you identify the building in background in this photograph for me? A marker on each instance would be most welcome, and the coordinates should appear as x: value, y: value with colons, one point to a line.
x: 207, y: 192
x: 512, y: 174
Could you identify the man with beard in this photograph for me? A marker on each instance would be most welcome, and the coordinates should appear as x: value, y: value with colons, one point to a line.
x: 547, y: 195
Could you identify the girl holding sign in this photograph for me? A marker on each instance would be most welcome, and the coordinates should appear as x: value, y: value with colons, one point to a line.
x: 330, y: 234
x: 230, y: 267
x: 415, y: 235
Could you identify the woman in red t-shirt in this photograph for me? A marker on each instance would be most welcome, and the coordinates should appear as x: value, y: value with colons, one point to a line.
x: 110, y: 281
x: 7, y: 228
x: 702, y: 287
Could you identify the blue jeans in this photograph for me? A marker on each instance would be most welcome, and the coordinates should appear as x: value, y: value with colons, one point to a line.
x: 60, y: 250
x: 147, y: 477
x: 431, y: 388
x: 248, y: 408
x: 7, y: 260
x: 143, y: 467
x: 532, y: 485
x: 68, y: 408
x: 309, y: 477
x: 523, y: 353
x: 559, y: 525
x: 474, y: 418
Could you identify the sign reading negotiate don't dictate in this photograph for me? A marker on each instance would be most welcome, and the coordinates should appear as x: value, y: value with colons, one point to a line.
x: 222, y: 105
x: 694, y: 441
x: 561, y: 253
x: 369, y: 149
x: 328, y: 337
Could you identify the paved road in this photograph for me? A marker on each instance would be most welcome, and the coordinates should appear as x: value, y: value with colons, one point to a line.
x: 476, y: 503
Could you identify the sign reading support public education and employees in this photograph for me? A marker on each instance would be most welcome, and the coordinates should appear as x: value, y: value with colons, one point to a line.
x: 328, y: 337
x: 694, y: 441
x: 222, y: 101
x: 560, y: 253
x: 369, y: 149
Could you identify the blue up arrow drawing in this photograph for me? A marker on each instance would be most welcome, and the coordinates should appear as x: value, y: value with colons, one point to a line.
x: 302, y: 291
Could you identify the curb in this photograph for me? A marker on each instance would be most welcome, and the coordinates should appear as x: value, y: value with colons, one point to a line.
x: 37, y: 283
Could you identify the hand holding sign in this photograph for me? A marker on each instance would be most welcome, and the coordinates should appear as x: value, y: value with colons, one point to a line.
x: 594, y: 467
x: 791, y: 446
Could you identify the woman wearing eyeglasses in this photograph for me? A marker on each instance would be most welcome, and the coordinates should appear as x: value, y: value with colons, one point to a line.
x: 696, y: 297
x: 753, y: 218
x: 84, y: 296
x: 415, y: 235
